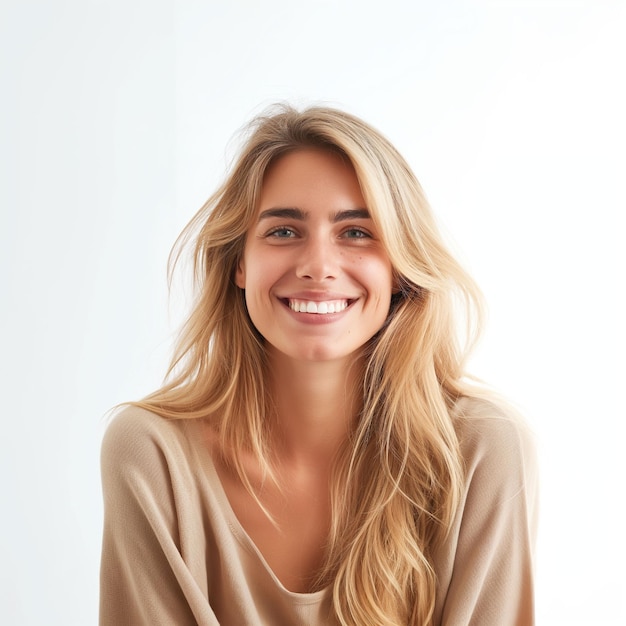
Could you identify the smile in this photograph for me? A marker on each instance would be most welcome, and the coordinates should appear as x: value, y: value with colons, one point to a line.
x: 320, y: 308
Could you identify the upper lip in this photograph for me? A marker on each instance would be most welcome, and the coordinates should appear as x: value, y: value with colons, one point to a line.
x: 316, y: 296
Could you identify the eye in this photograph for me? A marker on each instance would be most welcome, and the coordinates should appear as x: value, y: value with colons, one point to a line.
x: 356, y: 233
x: 281, y: 232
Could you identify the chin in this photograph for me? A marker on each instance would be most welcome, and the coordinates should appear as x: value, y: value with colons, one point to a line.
x: 324, y: 354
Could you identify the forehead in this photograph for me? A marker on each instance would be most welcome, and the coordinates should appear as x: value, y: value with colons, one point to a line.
x: 310, y: 175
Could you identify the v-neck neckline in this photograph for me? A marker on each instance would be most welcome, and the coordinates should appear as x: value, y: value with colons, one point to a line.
x: 239, y: 532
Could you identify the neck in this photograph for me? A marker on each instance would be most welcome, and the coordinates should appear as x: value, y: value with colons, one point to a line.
x: 316, y: 405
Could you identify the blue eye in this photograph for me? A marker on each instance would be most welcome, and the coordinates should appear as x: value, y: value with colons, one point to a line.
x: 356, y: 233
x: 281, y: 233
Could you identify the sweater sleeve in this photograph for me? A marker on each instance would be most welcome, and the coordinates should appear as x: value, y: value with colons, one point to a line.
x: 144, y: 578
x: 491, y: 582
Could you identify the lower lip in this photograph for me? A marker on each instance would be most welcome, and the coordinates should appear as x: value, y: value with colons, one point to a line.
x: 316, y: 318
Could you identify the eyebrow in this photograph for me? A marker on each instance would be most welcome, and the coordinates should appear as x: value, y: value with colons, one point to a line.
x: 300, y: 215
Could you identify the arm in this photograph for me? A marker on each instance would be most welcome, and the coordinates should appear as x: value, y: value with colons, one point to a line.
x: 491, y: 582
x: 144, y: 578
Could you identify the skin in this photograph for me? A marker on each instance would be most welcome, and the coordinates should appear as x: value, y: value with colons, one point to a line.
x: 313, y: 241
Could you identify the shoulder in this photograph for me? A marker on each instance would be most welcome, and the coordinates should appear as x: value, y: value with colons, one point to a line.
x: 496, y: 444
x: 134, y: 427
x: 485, y: 564
x: 137, y: 439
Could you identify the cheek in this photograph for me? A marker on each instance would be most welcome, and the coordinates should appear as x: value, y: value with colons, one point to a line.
x: 378, y: 273
x: 258, y: 275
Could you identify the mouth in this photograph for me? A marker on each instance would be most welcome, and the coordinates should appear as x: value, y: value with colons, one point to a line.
x: 324, y: 307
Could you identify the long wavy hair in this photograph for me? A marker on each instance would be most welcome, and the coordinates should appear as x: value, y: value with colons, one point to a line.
x: 385, y: 523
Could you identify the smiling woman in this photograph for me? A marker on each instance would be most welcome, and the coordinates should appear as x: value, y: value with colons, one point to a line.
x: 316, y: 277
x: 317, y: 455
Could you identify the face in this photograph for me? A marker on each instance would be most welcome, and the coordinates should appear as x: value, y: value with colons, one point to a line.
x: 317, y: 279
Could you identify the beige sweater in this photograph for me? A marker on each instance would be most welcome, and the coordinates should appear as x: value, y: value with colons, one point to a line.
x: 175, y: 554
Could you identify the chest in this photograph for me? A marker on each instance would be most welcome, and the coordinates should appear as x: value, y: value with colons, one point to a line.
x: 294, y: 545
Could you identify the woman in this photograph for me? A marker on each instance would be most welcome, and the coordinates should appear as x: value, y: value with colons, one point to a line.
x: 317, y: 455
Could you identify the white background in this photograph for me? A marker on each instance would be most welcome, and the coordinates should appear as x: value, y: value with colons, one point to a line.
x: 116, y: 118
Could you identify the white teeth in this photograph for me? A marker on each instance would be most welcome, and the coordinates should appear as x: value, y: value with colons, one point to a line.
x: 321, y: 308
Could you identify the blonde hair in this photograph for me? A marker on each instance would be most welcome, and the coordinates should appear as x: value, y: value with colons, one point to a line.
x: 385, y: 523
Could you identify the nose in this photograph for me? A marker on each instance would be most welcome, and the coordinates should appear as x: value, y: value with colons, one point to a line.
x: 318, y: 260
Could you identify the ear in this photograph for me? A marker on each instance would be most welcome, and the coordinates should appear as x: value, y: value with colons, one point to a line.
x: 240, y: 275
